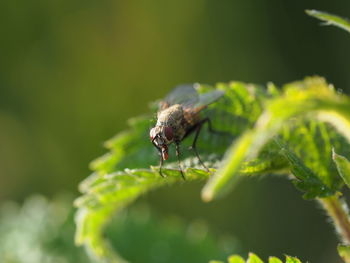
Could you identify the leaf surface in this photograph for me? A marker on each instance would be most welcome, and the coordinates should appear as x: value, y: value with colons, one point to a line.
x: 330, y: 19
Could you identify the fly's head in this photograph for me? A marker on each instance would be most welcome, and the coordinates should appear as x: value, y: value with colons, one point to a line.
x: 161, y: 137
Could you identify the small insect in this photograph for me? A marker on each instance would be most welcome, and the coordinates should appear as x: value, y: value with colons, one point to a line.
x: 178, y: 116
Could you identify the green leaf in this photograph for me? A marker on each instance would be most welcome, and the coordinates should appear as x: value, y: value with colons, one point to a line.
x: 231, y: 168
x: 113, y: 186
x: 254, y: 116
x: 235, y: 259
x: 330, y: 19
x: 254, y: 259
x: 306, y: 179
x: 105, y: 195
x: 343, y: 166
x: 274, y: 260
x: 344, y: 252
x: 290, y: 259
x: 285, y: 115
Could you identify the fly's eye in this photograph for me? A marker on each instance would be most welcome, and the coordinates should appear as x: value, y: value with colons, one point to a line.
x: 168, y: 132
x: 152, y: 134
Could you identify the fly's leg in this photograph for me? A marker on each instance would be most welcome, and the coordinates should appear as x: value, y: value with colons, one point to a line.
x: 198, y: 128
x: 177, y: 147
x: 210, y: 128
x: 160, y: 161
x: 160, y: 166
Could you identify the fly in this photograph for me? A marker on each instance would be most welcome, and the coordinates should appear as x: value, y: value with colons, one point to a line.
x: 178, y: 116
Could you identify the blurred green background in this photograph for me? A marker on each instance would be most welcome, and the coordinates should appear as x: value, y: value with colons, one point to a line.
x: 72, y: 72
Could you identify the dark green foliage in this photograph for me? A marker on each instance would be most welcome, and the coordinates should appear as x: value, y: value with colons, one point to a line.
x: 252, y: 258
x: 169, y: 240
x: 42, y: 231
x: 39, y: 231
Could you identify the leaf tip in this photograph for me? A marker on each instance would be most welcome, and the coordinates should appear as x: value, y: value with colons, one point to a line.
x: 334, y: 154
x: 309, y: 11
x: 207, y: 195
x: 313, y: 12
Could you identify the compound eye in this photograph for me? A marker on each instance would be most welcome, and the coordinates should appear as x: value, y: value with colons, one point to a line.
x: 152, y: 134
x: 168, y: 132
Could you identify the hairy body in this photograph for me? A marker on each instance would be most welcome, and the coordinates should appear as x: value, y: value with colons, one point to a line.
x: 178, y: 116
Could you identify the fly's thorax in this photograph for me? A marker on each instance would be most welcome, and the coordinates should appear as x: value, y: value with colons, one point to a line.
x: 170, y: 116
x: 173, y: 117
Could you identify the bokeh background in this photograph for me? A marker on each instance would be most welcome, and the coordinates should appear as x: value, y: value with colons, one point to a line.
x: 72, y: 72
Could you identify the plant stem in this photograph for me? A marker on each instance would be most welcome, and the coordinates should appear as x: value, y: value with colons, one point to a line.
x: 337, y: 210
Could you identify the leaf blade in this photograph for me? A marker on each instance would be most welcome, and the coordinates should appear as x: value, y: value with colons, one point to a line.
x: 310, y: 99
x: 343, y: 167
x: 290, y: 259
x: 344, y: 252
x: 330, y: 19
x: 235, y: 259
x: 252, y: 258
x: 274, y: 260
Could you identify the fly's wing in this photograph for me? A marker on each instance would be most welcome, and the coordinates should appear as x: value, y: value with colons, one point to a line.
x: 191, y: 111
x: 207, y: 98
x: 186, y: 95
